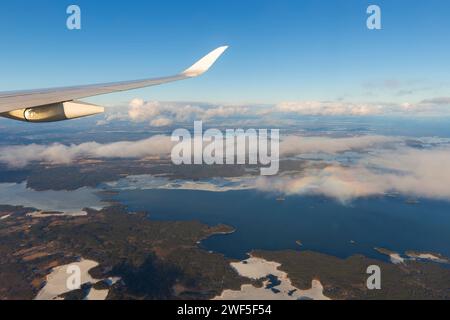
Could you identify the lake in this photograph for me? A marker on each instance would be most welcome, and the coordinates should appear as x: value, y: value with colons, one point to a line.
x: 319, y: 223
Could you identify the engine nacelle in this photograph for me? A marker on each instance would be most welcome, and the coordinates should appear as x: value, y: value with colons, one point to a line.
x: 55, y: 112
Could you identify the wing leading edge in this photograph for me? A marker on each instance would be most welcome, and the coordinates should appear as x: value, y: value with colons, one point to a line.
x: 22, y: 100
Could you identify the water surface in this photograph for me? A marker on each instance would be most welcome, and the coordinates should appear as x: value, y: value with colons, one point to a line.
x: 319, y: 223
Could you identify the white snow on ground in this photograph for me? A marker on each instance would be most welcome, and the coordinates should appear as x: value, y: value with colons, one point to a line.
x: 57, y: 282
x: 258, y: 268
x: 95, y: 294
x: 396, y: 258
x: 145, y: 182
x: 427, y: 256
x: 42, y: 214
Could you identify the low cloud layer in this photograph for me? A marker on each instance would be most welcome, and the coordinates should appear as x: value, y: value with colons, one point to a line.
x: 379, y: 164
x: 319, y: 108
x: 163, y: 114
x: 20, y: 156
x: 434, y: 106
x: 161, y: 145
x: 298, y: 145
x: 412, y: 172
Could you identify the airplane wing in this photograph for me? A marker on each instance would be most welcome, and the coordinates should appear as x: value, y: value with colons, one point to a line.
x: 23, y: 100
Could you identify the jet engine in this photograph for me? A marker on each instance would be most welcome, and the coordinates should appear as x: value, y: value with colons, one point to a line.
x: 54, y: 112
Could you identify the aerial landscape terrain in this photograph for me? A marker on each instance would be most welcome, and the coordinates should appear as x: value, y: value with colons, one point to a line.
x: 269, y: 150
x: 117, y: 216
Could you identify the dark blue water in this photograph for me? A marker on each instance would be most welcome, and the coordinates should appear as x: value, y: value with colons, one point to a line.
x: 320, y: 224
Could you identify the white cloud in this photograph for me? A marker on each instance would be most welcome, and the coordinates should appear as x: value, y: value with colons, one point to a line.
x: 330, y: 108
x: 383, y: 164
x: 333, y: 181
x: 161, y: 122
x: 161, y: 145
x: 434, y: 106
x: 414, y: 172
x: 153, y: 111
x: 296, y: 145
x: 20, y: 156
x: 159, y: 114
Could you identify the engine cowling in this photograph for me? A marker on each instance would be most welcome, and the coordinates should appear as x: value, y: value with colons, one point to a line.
x: 55, y: 112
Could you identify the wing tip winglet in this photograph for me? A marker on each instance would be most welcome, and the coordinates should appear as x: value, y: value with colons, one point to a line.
x: 204, y: 64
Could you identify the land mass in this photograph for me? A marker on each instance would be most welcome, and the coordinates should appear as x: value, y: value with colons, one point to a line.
x: 346, y: 278
x: 42, y: 177
x: 155, y: 259
x: 163, y: 260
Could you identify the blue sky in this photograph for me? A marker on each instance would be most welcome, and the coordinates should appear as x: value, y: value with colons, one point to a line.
x: 280, y: 50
